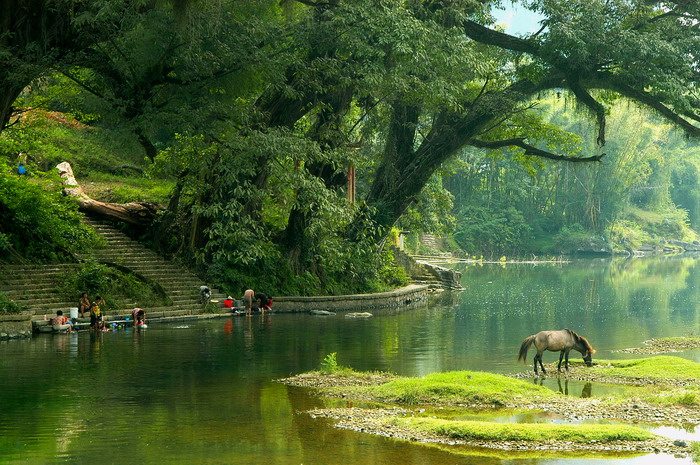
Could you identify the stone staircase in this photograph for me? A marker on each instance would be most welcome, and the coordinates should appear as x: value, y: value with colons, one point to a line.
x: 36, y: 287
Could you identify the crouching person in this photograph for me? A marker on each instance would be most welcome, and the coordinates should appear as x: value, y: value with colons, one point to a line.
x: 139, y: 318
x: 60, y: 323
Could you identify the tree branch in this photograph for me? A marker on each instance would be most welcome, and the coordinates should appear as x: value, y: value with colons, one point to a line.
x: 530, y: 149
x: 587, y: 99
x: 141, y: 213
x: 488, y: 36
x: 652, y: 102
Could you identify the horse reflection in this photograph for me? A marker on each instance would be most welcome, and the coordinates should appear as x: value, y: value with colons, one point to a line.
x: 586, y: 392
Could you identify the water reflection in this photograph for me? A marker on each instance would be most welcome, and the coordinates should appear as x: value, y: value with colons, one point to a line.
x: 205, y: 393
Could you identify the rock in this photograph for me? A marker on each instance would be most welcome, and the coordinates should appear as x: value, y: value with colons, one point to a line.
x: 680, y: 443
x: 321, y: 312
x: 359, y: 315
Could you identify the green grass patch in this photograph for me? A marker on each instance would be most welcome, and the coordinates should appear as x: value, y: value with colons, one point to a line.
x: 488, y: 431
x: 688, y: 396
x: 124, y: 189
x: 695, y: 451
x: 464, y: 387
x: 660, y: 367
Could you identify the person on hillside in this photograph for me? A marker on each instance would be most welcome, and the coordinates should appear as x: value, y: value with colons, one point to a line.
x: 96, y: 319
x: 139, y: 317
x: 60, y: 322
x: 84, y: 304
x: 204, y: 294
x: 228, y: 303
x: 248, y: 297
x: 22, y: 161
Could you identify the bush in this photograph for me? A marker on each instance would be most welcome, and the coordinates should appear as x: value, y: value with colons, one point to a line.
x: 575, y: 237
x: 116, y: 287
x: 329, y: 365
x: 38, y: 223
x: 8, y: 305
x: 492, y: 230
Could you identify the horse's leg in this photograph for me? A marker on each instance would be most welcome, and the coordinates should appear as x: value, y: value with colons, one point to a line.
x: 535, y: 363
x: 567, y: 361
x: 561, y: 355
x: 538, y: 357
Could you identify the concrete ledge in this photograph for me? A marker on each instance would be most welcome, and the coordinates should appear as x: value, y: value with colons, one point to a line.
x: 13, y: 326
x: 396, y: 298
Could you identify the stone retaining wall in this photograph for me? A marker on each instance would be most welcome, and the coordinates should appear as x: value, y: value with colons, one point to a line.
x: 14, y: 326
x: 356, y: 302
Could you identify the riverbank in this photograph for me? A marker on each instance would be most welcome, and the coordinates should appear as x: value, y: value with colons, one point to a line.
x: 432, y: 409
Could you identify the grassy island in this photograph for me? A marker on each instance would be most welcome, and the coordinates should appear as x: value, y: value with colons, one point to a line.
x: 448, y: 408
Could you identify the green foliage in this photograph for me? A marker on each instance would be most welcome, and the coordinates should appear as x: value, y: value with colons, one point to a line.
x: 573, y: 238
x: 491, y: 231
x: 622, y: 204
x: 116, y: 287
x: 432, y: 211
x: 8, y: 305
x: 51, y: 138
x: 38, y: 223
x: 329, y: 365
x: 253, y: 111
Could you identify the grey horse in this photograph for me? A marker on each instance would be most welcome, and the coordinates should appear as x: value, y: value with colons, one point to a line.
x: 561, y: 341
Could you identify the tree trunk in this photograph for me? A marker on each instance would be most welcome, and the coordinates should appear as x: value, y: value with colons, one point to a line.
x: 139, y: 213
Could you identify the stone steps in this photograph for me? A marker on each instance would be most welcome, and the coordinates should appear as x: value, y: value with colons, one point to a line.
x: 35, y: 287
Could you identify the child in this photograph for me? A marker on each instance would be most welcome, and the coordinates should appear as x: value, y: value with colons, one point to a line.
x: 84, y: 304
x: 96, y: 320
x: 228, y: 303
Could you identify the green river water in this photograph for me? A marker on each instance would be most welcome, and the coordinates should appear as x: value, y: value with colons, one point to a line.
x: 204, y: 392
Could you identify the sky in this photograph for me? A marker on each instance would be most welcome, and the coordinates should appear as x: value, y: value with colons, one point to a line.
x: 518, y: 20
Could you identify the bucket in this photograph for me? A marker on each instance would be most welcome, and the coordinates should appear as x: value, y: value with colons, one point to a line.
x: 73, y: 313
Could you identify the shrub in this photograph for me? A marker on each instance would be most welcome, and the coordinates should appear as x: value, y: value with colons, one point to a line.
x: 38, y: 223
x: 329, y: 365
x: 115, y: 286
x: 8, y: 305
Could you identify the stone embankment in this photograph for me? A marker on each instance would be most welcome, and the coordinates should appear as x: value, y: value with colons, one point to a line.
x: 15, y: 326
x: 423, y: 272
x: 405, y: 296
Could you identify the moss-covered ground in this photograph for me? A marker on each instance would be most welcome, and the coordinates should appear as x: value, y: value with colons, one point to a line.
x: 453, y: 406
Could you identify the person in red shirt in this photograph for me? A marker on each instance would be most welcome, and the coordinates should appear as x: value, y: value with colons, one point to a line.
x: 228, y: 303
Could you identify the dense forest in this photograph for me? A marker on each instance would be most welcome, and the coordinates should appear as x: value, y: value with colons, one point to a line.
x: 286, y: 140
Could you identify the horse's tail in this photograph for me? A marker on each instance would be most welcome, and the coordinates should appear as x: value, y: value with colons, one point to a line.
x: 525, y: 347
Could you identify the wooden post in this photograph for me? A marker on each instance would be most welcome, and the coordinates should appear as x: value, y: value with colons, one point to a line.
x: 351, y: 184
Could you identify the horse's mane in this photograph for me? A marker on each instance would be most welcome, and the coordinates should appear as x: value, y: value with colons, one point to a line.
x: 581, y: 339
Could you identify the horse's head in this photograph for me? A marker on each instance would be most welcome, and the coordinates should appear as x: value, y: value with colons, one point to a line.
x: 588, y: 356
x: 586, y: 350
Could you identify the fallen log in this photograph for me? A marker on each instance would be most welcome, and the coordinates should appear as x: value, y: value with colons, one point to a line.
x: 140, y: 213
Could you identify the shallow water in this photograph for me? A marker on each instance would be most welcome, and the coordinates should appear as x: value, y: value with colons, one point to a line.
x: 205, y: 393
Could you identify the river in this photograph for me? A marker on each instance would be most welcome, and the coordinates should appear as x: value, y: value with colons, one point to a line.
x: 204, y: 392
